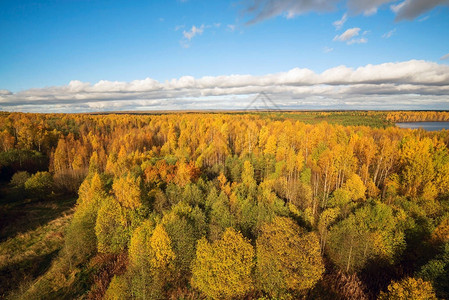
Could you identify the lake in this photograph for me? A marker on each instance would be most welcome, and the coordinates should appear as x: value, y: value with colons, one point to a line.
x: 429, y: 126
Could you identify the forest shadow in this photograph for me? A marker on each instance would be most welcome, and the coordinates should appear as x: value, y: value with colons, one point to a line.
x: 11, y: 276
x: 19, y: 214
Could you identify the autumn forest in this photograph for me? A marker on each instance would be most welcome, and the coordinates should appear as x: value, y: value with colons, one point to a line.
x: 231, y: 205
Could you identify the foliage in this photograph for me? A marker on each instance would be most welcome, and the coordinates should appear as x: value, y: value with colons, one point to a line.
x: 409, y: 288
x: 18, y: 179
x: 112, y: 227
x: 187, y: 196
x: 39, y: 184
x: 372, y: 232
x: 223, y: 269
x: 288, y: 258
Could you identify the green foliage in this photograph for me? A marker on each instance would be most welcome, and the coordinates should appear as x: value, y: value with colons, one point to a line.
x: 15, y: 160
x: 112, y: 227
x: 436, y: 271
x: 288, y: 258
x: 220, y: 216
x: 80, y: 239
x: 18, y: 179
x: 372, y: 232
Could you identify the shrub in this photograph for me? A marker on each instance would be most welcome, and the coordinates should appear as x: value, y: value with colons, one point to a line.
x: 39, y: 184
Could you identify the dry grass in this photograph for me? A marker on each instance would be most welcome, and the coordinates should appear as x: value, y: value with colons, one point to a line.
x: 29, y: 254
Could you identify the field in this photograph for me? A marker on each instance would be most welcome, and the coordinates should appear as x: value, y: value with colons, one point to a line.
x: 222, y: 205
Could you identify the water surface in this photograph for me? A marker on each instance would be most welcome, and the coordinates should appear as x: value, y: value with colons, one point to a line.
x: 429, y: 126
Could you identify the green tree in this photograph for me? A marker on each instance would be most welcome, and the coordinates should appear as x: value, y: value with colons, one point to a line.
x: 112, y: 227
x: 372, y: 232
x: 288, y: 258
x: 19, y: 178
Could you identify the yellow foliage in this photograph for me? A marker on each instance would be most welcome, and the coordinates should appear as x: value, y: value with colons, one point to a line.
x: 127, y: 191
x: 288, y: 258
x: 409, y: 288
x: 441, y: 234
x: 118, y: 289
x: 139, y: 252
x: 355, y: 187
x: 160, y: 243
x: 222, y: 270
x: 270, y: 147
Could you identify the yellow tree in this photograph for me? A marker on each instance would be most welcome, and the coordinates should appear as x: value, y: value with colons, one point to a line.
x: 409, y: 288
x: 270, y: 147
x: 222, y: 270
x: 151, y: 260
x: 127, y: 191
x: 163, y: 255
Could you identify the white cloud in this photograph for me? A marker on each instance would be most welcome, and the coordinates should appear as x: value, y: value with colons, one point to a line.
x: 397, y: 7
x: 193, y: 32
x: 389, y: 34
x: 347, y: 35
x: 357, y: 41
x: 178, y: 27
x: 5, y: 92
x: 444, y: 57
x: 417, y: 83
x: 339, y: 23
x: 232, y: 27
x: 190, y: 34
x: 327, y: 49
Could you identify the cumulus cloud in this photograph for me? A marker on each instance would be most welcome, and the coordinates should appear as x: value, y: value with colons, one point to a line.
x: 260, y: 10
x: 417, y: 83
x: 190, y: 34
x: 5, y: 92
x: 339, y: 23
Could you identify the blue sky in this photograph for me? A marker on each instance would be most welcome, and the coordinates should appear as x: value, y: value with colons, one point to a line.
x: 48, y: 44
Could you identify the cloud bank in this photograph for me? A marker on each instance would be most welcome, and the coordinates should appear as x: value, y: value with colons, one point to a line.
x: 411, y: 84
x: 260, y: 10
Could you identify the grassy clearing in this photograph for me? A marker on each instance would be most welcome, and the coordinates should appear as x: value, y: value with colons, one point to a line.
x: 20, y: 214
x: 28, y: 255
x: 31, y: 234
